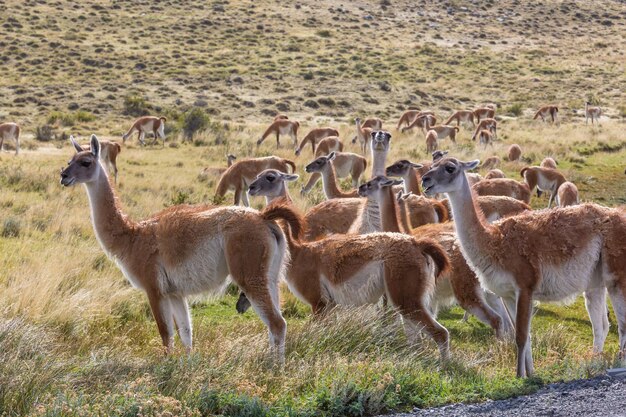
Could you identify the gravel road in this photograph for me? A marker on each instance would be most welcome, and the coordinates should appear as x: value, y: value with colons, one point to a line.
x: 602, y: 396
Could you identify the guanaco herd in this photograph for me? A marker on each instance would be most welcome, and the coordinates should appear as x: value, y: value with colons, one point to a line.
x: 392, y: 238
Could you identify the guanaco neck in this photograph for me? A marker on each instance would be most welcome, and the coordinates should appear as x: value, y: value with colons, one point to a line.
x: 388, y: 210
x: 368, y: 219
x: 404, y: 216
x: 329, y: 180
x: 282, y: 193
x: 113, y: 229
x: 378, y: 165
x: 315, y: 177
x: 411, y: 182
x: 471, y: 226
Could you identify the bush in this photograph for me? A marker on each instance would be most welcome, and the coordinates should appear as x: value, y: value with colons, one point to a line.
x: 11, y: 228
x: 181, y: 197
x: 136, y: 106
x: 70, y: 119
x: 194, y: 120
x: 44, y: 133
x: 515, y: 109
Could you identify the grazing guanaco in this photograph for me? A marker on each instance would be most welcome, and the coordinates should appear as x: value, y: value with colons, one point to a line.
x: 503, y: 186
x: 343, y: 269
x: 409, y: 116
x: 486, y: 124
x: 206, y: 172
x: 444, y: 131
x: 496, y: 207
x: 363, y: 135
x: 495, y: 173
x: 545, y: 255
x: 185, y: 250
x: 515, y: 152
x: 567, y: 195
x: 324, y: 166
x: 147, y: 124
x: 491, y: 162
x: 346, y: 164
x: 431, y: 141
x: 108, y: 154
x: 315, y: 136
x: 545, y: 111
x: 545, y: 179
x: 466, y: 116
x: 459, y: 283
x: 10, y: 131
x: 240, y: 174
x: 484, y: 113
x: 373, y: 123
x: 423, y: 121
x: 548, y: 163
x: 486, y: 138
x: 281, y: 127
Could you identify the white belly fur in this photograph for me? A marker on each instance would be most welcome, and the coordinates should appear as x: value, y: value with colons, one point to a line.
x: 205, y: 270
x: 365, y: 287
x: 558, y: 282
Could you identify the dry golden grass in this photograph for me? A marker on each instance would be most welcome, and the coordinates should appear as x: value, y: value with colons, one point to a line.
x: 62, y: 300
x: 75, y: 339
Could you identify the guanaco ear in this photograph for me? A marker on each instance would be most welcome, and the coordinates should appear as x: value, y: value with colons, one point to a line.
x: 414, y: 165
x: 468, y: 166
x: 290, y: 177
x: 76, y: 145
x: 331, y: 156
x: 388, y: 182
x: 95, y: 146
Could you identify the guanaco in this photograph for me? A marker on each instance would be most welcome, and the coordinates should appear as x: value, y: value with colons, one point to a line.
x: 147, y: 124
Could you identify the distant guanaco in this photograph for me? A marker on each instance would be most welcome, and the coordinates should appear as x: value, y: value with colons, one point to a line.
x: 423, y: 121
x: 461, y: 116
x: 315, y: 136
x: 592, y: 112
x: 484, y: 113
x: 546, y: 111
x: 281, y: 127
x: 147, y: 124
x: 409, y: 116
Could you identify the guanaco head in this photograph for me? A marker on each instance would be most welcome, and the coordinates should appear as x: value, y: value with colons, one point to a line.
x: 437, y: 155
x: 446, y: 176
x: 401, y: 168
x: 380, y: 140
x: 84, y: 166
x: 320, y: 163
x: 230, y: 158
x: 270, y: 183
x: 373, y: 187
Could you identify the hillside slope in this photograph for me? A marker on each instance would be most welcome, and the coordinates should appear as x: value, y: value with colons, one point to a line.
x: 251, y: 59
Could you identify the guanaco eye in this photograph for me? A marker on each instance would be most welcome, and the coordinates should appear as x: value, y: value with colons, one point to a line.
x: 450, y: 170
x: 86, y: 164
x: 271, y: 178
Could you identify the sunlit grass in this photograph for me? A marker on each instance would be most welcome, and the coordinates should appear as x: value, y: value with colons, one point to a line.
x: 77, y: 340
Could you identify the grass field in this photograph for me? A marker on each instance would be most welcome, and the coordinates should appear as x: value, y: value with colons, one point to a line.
x: 77, y: 340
